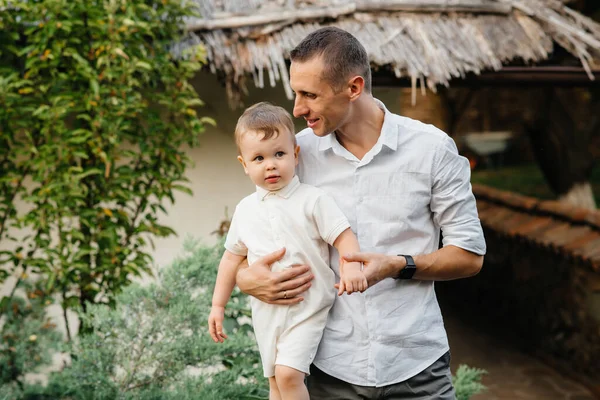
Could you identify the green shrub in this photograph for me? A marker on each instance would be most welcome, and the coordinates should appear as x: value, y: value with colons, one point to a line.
x: 467, y: 382
x: 27, y: 337
x: 145, y: 347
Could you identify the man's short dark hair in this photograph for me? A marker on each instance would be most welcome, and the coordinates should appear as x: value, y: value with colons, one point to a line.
x: 342, y: 54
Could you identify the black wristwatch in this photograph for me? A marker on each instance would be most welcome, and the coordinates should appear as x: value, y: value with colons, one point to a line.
x: 409, y: 270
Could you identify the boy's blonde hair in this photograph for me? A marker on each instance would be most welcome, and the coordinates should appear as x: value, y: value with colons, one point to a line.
x: 266, y: 118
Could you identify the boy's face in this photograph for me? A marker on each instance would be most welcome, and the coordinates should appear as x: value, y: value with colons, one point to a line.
x: 324, y: 109
x: 269, y: 163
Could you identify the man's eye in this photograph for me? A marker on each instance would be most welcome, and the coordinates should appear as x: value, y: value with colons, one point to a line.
x: 258, y: 158
x: 310, y: 95
x: 279, y: 154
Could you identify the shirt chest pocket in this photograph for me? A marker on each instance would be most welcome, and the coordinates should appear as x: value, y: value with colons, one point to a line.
x: 389, y: 202
x: 396, y: 190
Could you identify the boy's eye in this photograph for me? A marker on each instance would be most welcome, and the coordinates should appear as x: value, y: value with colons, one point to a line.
x: 258, y: 158
x: 279, y: 154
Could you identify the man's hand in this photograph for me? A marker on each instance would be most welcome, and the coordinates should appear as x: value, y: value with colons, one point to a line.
x: 449, y: 262
x: 377, y: 267
x: 215, y: 324
x: 282, y: 287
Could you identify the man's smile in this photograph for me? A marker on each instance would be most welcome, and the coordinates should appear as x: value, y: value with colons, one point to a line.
x: 312, y: 122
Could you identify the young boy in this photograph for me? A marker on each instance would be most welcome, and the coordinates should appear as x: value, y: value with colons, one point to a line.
x: 283, y: 213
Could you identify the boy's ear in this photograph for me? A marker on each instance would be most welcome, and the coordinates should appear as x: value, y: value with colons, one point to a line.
x: 296, y: 152
x: 241, y: 160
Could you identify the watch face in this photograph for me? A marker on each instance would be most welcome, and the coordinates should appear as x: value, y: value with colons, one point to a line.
x: 408, y: 272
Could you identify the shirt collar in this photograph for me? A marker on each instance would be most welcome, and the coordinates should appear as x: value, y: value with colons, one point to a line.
x: 389, y: 129
x: 285, y: 192
x: 388, y: 136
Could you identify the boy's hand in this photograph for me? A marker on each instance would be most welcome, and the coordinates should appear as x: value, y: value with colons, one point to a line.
x: 215, y: 324
x: 352, y: 278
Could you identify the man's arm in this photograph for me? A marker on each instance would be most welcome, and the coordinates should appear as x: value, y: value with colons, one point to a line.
x: 447, y: 263
x: 454, y: 210
x: 282, y: 288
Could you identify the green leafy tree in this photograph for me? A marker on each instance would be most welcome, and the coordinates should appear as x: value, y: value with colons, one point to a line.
x: 95, y: 115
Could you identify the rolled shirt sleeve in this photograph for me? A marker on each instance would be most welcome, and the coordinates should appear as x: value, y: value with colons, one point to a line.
x: 452, y: 200
x: 233, y: 242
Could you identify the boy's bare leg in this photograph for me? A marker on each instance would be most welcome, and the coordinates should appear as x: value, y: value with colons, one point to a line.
x: 273, y: 389
x: 290, y: 382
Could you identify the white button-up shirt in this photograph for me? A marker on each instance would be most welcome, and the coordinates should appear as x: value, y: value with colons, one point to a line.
x: 410, y: 185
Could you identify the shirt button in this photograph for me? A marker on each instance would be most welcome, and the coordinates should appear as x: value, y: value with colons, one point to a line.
x: 360, y: 200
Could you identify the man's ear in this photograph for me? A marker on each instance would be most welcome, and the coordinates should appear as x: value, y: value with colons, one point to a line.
x: 296, y: 152
x: 241, y: 160
x: 356, y: 86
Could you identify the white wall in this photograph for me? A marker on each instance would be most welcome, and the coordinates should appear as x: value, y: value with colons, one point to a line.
x: 218, y: 183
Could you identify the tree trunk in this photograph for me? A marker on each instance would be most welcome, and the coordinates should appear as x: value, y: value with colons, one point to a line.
x: 561, y: 145
x: 580, y: 195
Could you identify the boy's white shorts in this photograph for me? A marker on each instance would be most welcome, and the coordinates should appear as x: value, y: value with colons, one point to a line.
x: 288, y: 335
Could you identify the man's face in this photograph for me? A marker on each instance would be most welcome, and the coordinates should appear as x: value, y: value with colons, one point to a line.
x: 323, y: 108
x: 270, y: 163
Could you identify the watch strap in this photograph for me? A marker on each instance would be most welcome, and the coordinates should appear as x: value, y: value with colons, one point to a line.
x: 409, y: 270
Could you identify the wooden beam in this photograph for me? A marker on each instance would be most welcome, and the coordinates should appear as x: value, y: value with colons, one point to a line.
x: 539, y: 76
x: 469, y: 6
x: 509, y: 76
x: 231, y: 20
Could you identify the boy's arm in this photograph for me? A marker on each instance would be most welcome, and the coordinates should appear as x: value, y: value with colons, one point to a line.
x: 226, y: 278
x: 223, y: 287
x: 352, y: 278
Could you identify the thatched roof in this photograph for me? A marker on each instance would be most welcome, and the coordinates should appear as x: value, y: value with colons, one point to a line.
x: 433, y: 39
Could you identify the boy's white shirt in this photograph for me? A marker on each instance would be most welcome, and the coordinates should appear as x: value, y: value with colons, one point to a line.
x: 303, y: 206
x: 304, y: 220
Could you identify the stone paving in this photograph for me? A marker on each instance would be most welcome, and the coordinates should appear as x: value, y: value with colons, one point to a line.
x: 511, y: 374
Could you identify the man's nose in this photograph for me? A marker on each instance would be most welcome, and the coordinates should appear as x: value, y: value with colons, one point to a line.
x: 299, y: 108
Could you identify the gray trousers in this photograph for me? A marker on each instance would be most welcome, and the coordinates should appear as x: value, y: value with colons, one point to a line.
x: 435, y: 382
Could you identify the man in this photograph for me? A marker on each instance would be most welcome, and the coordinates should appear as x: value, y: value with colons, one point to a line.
x: 399, y: 182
